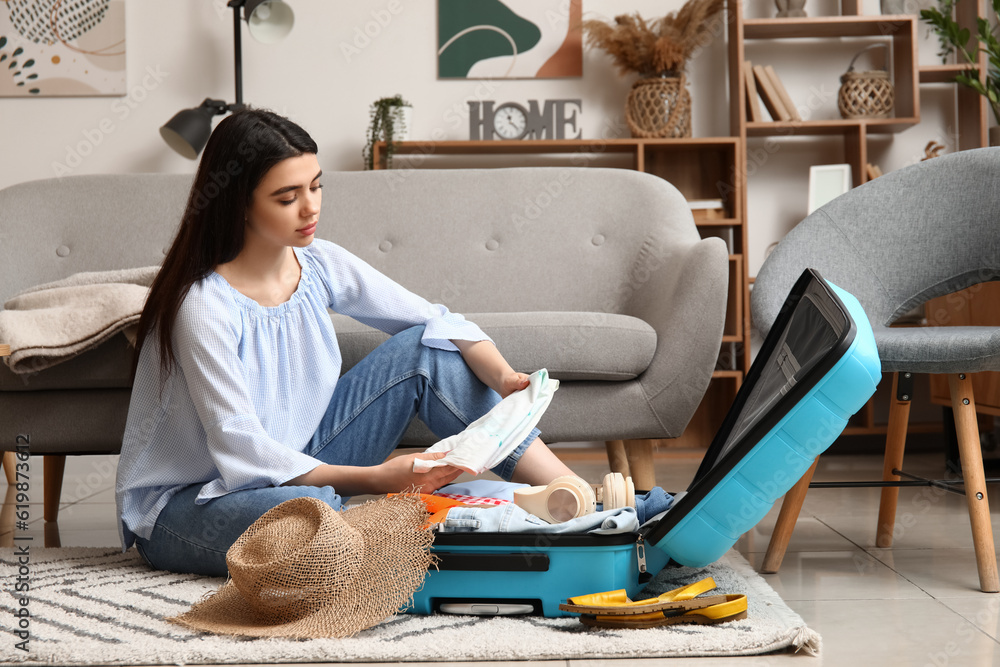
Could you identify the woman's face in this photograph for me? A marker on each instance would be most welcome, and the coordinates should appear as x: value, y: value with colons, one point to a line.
x: 285, y: 206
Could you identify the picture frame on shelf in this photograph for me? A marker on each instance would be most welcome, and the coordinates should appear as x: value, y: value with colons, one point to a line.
x: 826, y: 183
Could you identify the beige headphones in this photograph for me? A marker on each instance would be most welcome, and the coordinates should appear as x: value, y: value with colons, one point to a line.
x: 569, y: 497
x: 616, y: 491
x: 565, y: 498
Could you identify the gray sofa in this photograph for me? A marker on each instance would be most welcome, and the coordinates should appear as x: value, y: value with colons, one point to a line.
x: 598, y: 275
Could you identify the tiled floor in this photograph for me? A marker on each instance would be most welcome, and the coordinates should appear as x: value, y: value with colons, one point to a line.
x: 915, y: 604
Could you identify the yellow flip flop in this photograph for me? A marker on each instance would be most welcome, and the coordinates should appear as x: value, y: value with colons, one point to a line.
x: 616, y: 603
x: 734, y: 608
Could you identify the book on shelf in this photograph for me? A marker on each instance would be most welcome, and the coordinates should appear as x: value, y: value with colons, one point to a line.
x: 786, y: 99
x: 772, y: 101
x: 707, y: 209
x: 754, y: 113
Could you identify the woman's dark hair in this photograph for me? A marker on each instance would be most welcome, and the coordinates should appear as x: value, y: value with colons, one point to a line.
x: 241, y: 150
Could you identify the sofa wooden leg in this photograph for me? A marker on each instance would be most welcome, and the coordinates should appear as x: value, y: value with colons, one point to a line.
x: 967, y: 429
x: 10, y: 466
x: 51, y: 534
x: 52, y: 475
x: 787, y: 517
x: 895, y: 443
x: 8, y: 518
x: 617, y: 460
x: 9, y: 458
x: 640, y: 463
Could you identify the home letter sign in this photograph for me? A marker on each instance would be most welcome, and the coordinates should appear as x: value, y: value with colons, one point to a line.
x: 552, y: 119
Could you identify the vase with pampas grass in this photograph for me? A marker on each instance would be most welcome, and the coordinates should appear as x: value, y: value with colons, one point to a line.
x: 659, y: 104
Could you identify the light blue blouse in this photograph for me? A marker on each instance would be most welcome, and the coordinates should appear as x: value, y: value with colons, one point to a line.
x: 252, y: 383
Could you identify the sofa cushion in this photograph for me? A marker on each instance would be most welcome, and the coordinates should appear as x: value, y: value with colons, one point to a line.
x: 107, y: 366
x: 571, y: 345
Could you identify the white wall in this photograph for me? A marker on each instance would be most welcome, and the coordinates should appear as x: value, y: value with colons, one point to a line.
x: 180, y: 52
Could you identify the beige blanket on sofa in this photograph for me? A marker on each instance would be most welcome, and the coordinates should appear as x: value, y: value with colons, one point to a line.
x: 50, y: 323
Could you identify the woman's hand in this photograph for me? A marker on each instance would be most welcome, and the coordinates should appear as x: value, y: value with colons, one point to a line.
x: 396, y: 474
x: 512, y: 382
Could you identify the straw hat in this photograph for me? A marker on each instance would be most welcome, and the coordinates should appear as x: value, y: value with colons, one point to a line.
x: 305, y: 570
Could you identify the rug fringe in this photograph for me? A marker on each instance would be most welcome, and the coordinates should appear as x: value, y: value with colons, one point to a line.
x: 806, y: 640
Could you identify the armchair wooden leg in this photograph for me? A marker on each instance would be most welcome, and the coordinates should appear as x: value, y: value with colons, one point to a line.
x: 789, y: 514
x: 617, y: 460
x: 10, y: 467
x: 895, y: 442
x: 640, y: 463
x: 967, y: 430
x: 52, y: 476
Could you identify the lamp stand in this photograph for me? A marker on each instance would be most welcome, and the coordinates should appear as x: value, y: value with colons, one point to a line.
x: 238, y: 53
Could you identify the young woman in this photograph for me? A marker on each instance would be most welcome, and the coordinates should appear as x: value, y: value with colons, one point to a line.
x: 238, y: 403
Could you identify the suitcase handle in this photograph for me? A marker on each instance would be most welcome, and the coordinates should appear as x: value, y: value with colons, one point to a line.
x: 493, y: 562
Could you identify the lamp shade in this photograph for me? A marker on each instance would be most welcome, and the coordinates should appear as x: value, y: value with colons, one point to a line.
x: 269, y: 21
x: 188, y: 131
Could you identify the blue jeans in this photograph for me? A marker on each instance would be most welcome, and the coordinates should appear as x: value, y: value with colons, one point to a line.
x: 372, y: 406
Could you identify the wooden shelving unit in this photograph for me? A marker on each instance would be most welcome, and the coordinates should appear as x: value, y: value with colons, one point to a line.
x: 901, y: 31
x: 701, y: 168
x: 908, y: 75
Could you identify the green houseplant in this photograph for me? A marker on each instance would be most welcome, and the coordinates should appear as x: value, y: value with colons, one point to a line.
x: 387, y: 120
x: 955, y: 38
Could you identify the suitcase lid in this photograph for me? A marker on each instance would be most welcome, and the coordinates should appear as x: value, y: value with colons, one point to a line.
x: 812, y: 332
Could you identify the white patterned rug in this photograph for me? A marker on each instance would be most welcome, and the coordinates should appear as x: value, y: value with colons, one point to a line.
x: 98, y: 606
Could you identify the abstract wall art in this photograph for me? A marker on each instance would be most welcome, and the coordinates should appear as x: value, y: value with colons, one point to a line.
x: 509, y: 39
x: 62, y: 48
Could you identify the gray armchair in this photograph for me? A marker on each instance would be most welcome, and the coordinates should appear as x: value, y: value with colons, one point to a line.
x: 599, y: 275
x: 917, y: 233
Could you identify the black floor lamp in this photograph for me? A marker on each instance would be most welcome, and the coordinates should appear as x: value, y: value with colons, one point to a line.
x: 269, y: 21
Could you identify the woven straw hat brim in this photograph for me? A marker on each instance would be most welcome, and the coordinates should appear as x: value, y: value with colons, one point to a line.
x: 397, y: 556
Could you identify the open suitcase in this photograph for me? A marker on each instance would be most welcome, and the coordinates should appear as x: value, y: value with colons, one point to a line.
x: 816, y: 368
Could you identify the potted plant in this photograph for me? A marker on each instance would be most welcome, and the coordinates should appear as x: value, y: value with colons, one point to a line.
x: 659, y: 104
x: 389, y: 120
x: 955, y: 38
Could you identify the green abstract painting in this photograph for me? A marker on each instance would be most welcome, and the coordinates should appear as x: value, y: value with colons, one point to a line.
x: 523, y: 39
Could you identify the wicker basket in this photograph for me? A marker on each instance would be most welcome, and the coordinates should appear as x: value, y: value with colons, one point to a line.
x: 866, y: 94
x: 659, y: 107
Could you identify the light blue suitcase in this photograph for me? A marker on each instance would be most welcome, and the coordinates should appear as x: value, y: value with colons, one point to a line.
x: 817, y: 367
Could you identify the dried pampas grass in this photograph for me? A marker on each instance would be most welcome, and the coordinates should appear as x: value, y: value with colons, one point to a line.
x: 661, y: 46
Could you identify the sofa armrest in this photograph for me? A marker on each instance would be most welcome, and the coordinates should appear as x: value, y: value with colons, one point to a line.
x: 684, y: 300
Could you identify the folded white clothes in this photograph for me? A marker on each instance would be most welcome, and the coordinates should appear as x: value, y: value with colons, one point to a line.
x: 490, y: 439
